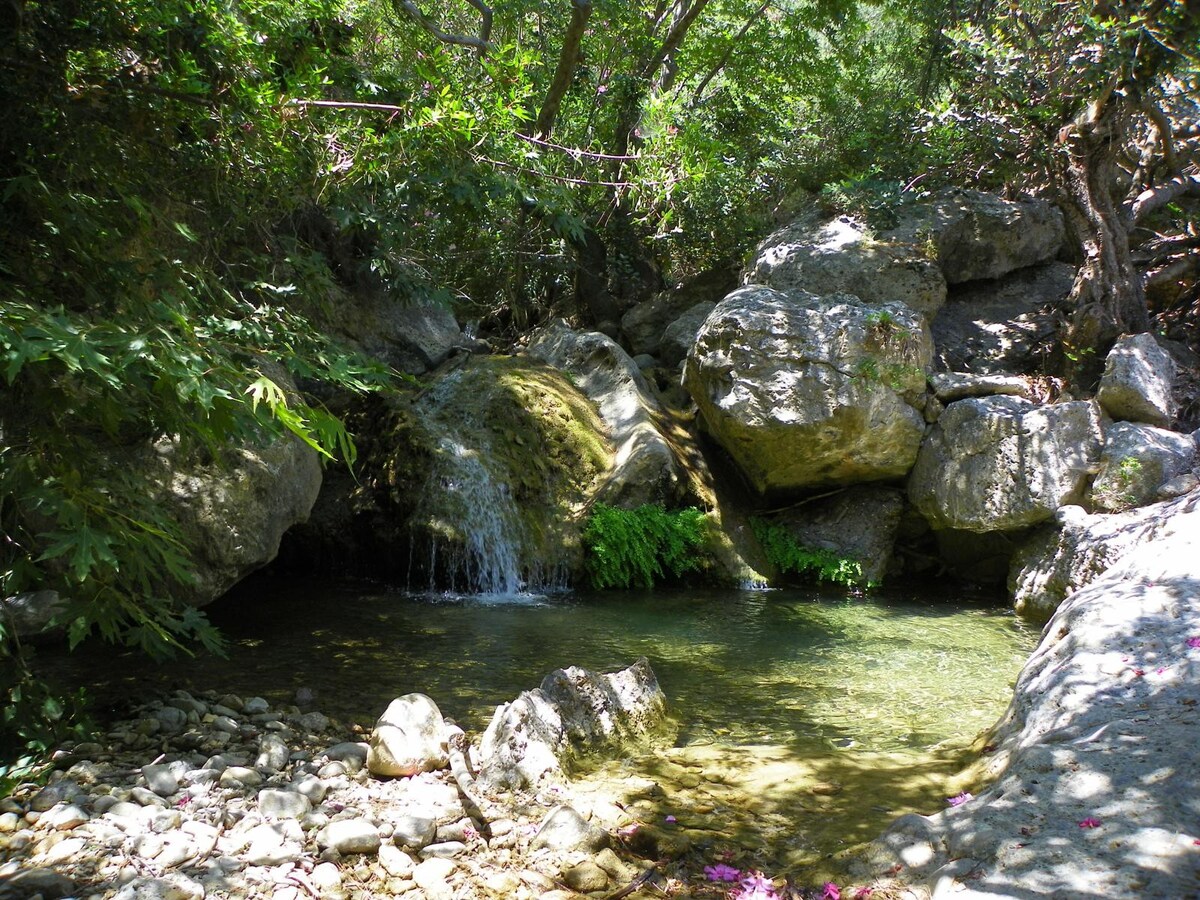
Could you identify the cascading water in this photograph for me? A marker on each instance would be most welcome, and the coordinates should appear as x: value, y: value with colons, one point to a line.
x: 479, y: 513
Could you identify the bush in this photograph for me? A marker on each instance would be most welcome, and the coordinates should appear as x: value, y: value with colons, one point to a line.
x: 640, y: 547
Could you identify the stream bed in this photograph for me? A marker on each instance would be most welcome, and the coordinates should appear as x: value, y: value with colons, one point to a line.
x: 807, y: 720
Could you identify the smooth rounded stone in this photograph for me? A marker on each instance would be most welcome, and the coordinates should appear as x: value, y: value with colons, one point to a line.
x: 30, y: 882
x: 226, y: 724
x: 124, y: 810
x: 171, y: 719
x: 239, y: 777
x: 503, y: 884
x: 273, y: 844
x: 189, y: 704
x: 147, y: 726
x: 161, y: 779
x: 283, y: 804
x: 146, y: 797
x: 585, y: 876
x: 565, y: 829
x: 455, y: 831
x: 64, y: 851
x: 172, y: 886
x: 62, y: 791
x: 433, y: 872
x: 62, y: 817
x: 222, y: 761
x: 233, y: 702
x: 310, y: 786
x: 9, y: 822
x: 395, y: 861
x: 254, y: 706
x: 409, y: 738
x: 165, y: 819
x: 176, y: 850
x: 326, y: 877
x: 414, y: 832
x: 333, y: 769
x: 219, y: 709
x: 203, y: 837
x: 200, y: 778
x: 273, y: 753
x: 349, y: 752
x: 607, y: 860
x: 350, y: 836
x: 313, y: 722
x: 443, y: 850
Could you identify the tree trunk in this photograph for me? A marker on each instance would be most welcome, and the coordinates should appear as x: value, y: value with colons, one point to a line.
x: 1107, y: 298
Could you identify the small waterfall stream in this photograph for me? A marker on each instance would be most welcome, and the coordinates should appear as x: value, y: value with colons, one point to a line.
x: 479, y: 513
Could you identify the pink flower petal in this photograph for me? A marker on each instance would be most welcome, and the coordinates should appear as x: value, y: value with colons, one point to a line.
x: 1089, y: 822
x: 1193, y: 642
x: 830, y: 891
x: 960, y: 799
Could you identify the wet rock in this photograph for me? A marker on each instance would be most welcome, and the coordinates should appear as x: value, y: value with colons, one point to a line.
x: 350, y: 836
x: 1139, y: 375
x: 409, y: 737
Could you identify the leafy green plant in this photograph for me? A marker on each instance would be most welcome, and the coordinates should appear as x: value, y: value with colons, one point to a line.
x: 788, y: 555
x: 644, y: 546
x: 1119, y: 489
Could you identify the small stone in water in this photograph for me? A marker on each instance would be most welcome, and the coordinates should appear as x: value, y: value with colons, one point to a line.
x: 255, y: 705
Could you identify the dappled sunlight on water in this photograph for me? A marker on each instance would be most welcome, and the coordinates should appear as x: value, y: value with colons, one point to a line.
x: 811, y: 719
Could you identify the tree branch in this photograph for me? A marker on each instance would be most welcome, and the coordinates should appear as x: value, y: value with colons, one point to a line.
x: 1156, y: 198
x: 698, y: 93
x: 568, y: 58
x: 674, y: 38
x: 481, y: 43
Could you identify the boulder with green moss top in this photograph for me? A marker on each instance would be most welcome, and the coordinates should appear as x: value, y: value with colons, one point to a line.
x: 808, y: 392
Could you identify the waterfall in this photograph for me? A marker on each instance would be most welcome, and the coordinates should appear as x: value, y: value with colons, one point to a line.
x: 479, y: 514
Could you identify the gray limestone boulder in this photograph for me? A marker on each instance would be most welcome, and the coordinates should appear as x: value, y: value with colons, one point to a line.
x: 979, y: 235
x: 1056, y: 561
x: 410, y: 737
x: 1137, y: 461
x: 679, y: 337
x: 999, y: 326
x: 841, y: 256
x: 859, y: 523
x: 646, y: 469
x: 806, y: 392
x: 1091, y: 788
x: 412, y: 338
x: 1137, y: 383
x: 1004, y: 463
x: 573, y: 714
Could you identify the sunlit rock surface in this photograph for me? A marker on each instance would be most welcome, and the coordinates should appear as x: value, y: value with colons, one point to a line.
x: 1137, y: 382
x: 841, y: 255
x: 1002, y: 463
x: 1055, y: 561
x: 1095, y: 759
x: 806, y: 392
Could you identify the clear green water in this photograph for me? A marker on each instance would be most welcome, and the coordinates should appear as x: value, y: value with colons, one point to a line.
x: 777, y: 689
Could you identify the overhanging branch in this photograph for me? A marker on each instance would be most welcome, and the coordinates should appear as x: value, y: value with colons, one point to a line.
x: 481, y: 43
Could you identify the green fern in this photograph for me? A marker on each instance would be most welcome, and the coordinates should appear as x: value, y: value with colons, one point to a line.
x: 643, y: 546
x: 788, y: 555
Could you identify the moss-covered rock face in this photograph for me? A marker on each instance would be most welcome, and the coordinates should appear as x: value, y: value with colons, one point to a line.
x: 480, y: 481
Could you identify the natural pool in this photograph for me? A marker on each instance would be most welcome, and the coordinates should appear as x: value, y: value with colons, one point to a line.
x: 807, y: 719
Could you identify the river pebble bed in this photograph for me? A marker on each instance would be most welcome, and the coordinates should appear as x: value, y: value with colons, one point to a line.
x: 218, y: 796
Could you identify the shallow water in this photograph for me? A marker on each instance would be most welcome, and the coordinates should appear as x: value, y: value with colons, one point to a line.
x: 873, y: 700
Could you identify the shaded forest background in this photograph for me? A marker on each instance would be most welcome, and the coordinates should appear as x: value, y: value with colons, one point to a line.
x: 189, y: 190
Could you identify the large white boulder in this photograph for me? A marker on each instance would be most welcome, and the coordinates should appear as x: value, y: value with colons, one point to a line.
x: 1003, y: 463
x: 806, y: 392
x: 410, y: 737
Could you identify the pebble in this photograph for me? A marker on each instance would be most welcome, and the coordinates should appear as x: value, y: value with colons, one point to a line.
x: 350, y: 836
x: 239, y: 777
x: 161, y: 779
x: 9, y: 822
x: 432, y: 871
x: 64, y: 851
x: 273, y: 754
x: 255, y: 706
x: 311, y: 787
x: 443, y: 850
x: 146, y: 797
x: 226, y: 724
x: 395, y: 861
x: 282, y: 804
x: 63, y: 817
x: 326, y: 877
x: 413, y: 832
